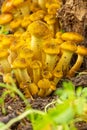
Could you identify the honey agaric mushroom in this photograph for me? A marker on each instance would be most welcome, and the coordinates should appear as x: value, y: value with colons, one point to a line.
x: 51, y: 89
x: 57, y: 76
x: 51, y: 50
x: 4, y: 64
x: 5, y: 18
x: 33, y: 88
x: 19, y: 67
x: 38, y: 36
x: 46, y: 74
x: 81, y: 52
x: 42, y: 4
x: 7, y: 6
x: 51, y: 20
x: 36, y: 68
x: 25, y: 88
x: 39, y: 15
x: 45, y: 85
x: 52, y: 8
x: 26, y: 21
x: 72, y: 36
x: 68, y: 49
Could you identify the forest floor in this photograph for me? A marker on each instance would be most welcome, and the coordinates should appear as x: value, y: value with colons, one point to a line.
x: 15, y: 106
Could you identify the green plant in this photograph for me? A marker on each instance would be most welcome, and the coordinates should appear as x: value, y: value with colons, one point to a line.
x: 70, y: 107
x: 12, y: 90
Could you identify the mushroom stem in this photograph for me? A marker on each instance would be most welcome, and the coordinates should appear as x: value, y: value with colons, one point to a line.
x: 36, y: 45
x: 64, y: 61
x: 36, y: 68
x: 5, y: 66
x: 75, y: 67
x: 22, y: 75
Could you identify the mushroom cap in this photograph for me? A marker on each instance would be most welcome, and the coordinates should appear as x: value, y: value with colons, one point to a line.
x: 50, y: 19
x: 72, y: 36
x: 51, y: 48
x: 5, y: 18
x: 15, y: 23
x: 44, y: 83
x: 37, y: 15
x: 39, y: 29
x: 46, y: 74
x: 58, y: 74
x: 52, y: 8
x: 35, y: 64
x: 17, y: 2
x: 81, y: 50
x: 33, y: 88
x: 69, y: 46
x: 3, y: 53
x: 26, y: 53
x: 19, y: 63
x: 7, y: 6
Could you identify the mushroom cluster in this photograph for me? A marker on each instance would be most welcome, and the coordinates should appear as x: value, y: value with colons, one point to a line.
x: 36, y: 54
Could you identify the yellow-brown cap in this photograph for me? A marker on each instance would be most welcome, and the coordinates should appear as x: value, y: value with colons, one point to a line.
x: 51, y: 47
x: 5, y: 18
x: 81, y: 50
x: 69, y: 46
x: 72, y: 36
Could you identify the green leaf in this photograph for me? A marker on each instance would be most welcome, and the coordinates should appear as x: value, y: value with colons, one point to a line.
x: 1, y: 125
x: 62, y: 113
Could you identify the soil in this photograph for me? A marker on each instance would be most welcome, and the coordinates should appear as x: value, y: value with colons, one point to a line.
x: 15, y: 106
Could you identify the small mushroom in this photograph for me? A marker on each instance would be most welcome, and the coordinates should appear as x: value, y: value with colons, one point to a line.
x: 39, y: 32
x: 72, y: 36
x: 4, y: 64
x: 46, y: 87
x: 81, y: 52
x: 19, y: 67
x: 68, y: 49
x: 51, y: 50
x: 5, y: 18
x: 36, y: 68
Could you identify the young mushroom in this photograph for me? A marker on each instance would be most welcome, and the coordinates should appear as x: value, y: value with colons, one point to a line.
x: 51, y: 50
x: 5, y: 18
x: 81, y: 52
x: 19, y: 67
x: 68, y: 49
x: 4, y: 64
x: 39, y: 31
x: 36, y: 68
x: 46, y: 87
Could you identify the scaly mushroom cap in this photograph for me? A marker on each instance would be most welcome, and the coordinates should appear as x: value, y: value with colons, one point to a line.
x: 15, y: 23
x: 7, y: 6
x: 52, y: 8
x: 39, y: 29
x: 50, y: 19
x: 51, y: 48
x: 5, y: 18
x: 81, y: 50
x: 19, y: 63
x: 26, y: 21
x: 72, y: 36
x: 37, y: 15
x: 69, y: 46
